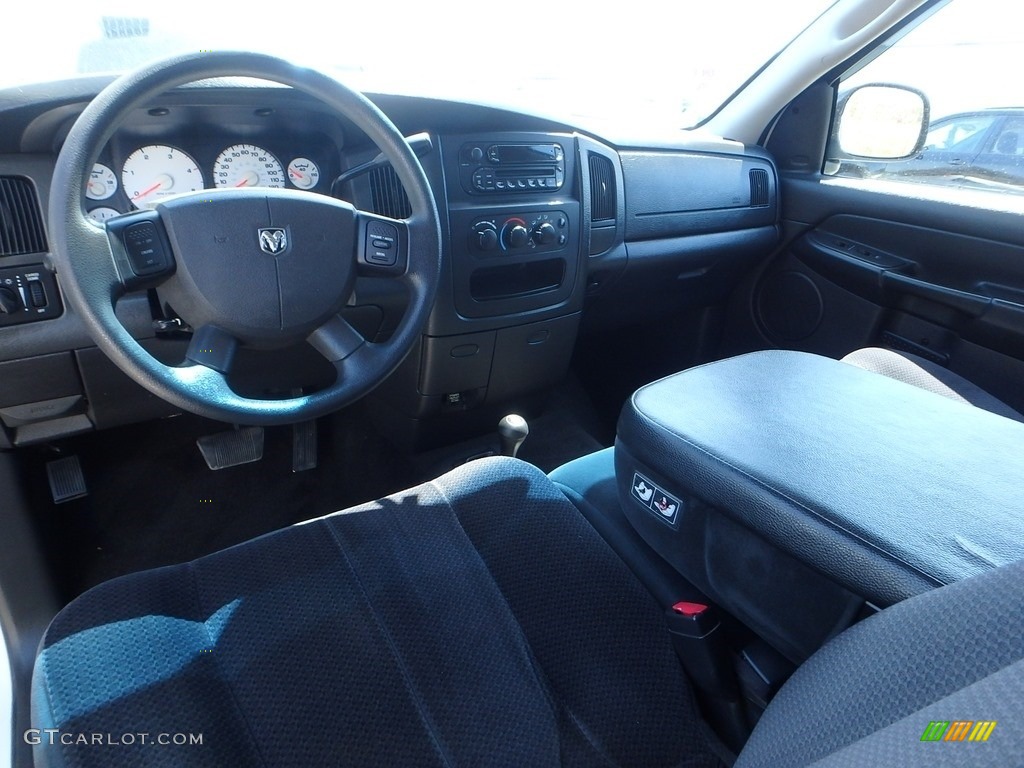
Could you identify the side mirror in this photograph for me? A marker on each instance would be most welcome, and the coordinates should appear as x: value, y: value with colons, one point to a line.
x: 881, y: 121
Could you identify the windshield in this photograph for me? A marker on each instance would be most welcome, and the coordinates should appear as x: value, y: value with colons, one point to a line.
x: 671, y: 61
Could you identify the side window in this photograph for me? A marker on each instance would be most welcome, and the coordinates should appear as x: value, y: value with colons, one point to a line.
x: 975, y: 137
x: 960, y: 134
x: 1008, y: 139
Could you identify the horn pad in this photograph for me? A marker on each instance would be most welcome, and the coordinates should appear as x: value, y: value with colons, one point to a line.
x: 267, y: 266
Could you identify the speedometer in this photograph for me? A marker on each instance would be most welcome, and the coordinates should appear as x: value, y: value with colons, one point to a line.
x: 157, y: 171
x: 246, y: 165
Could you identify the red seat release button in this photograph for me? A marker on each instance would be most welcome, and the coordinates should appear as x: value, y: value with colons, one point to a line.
x: 689, y: 609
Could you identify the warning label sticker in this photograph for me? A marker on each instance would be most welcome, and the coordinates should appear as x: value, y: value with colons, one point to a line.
x: 664, y: 506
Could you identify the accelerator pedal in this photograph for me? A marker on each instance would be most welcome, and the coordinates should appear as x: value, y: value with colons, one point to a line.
x: 67, y: 481
x: 229, y: 449
x: 304, y: 449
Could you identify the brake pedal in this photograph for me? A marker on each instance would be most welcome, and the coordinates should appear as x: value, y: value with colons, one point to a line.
x: 304, y: 448
x: 229, y: 449
x: 67, y: 481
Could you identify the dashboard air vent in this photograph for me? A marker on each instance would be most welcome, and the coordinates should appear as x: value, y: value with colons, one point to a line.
x: 759, y: 189
x: 21, y: 221
x: 389, y: 198
x: 602, y: 189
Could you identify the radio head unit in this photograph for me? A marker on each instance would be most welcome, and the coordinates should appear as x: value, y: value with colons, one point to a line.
x: 512, y: 167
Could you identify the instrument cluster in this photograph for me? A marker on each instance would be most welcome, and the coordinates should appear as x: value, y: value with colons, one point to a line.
x: 153, y: 171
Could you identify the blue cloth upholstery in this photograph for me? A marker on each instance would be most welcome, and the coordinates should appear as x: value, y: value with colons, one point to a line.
x: 925, y: 374
x: 865, y: 699
x: 475, y: 620
x: 479, y: 620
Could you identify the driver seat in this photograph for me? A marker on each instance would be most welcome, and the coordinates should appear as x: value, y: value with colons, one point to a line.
x: 477, y: 620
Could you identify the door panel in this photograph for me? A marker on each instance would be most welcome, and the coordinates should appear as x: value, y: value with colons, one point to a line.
x: 871, y: 264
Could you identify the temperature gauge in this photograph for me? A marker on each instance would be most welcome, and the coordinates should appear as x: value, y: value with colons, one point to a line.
x: 102, y: 183
x: 303, y: 173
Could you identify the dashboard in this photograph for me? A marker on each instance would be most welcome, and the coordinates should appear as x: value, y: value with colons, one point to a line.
x: 544, y: 229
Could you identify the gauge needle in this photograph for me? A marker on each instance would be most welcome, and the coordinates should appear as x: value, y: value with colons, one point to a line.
x: 153, y: 188
x: 249, y: 179
x: 297, y: 174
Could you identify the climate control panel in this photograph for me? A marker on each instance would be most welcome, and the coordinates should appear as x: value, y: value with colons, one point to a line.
x: 519, y: 233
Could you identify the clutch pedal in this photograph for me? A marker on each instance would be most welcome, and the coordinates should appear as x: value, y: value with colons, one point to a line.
x: 229, y: 449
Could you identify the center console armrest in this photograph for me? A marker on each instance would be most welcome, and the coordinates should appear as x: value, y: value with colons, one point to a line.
x: 886, y: 489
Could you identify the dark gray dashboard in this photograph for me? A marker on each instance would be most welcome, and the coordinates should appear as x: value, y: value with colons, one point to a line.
x: 544, y: 225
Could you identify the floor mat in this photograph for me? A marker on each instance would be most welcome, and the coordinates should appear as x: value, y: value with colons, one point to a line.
x: 152, y: 500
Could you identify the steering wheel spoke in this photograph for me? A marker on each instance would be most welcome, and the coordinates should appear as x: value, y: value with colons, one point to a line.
x: 382, y: 245
x: 336, y: 339
x: 141, y: 250
x: 212, y: 347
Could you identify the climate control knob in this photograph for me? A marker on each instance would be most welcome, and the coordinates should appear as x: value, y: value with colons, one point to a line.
x: 486, y: 239
x: 517, y: 236
x: 545, y: 233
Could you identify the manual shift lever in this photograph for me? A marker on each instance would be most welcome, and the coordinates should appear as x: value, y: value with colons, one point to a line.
x: 513, y: 431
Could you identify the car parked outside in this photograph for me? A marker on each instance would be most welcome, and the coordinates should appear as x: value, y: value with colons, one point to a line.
x: 983, y: 149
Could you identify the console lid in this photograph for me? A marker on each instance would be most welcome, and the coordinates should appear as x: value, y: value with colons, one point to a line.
x: 885, y: 488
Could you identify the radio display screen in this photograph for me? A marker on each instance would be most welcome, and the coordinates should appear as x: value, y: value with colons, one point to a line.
x: 516, y: 154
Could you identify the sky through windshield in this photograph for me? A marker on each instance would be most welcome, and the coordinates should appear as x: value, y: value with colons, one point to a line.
x: 664, y: 60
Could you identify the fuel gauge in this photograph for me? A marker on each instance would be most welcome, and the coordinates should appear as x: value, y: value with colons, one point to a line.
x: 102, y: 183
x: 303, y: 173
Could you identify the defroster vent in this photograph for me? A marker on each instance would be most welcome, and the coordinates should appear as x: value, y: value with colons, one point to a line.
x: 760, y: 194
x: 389, y: 198
x: 602, y: 189
x: 21, y: 221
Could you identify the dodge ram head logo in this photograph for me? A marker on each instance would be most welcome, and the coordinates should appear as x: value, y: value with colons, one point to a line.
x: 273, y: 240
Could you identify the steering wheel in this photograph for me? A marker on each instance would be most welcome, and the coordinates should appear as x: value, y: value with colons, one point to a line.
x: 260, y: 268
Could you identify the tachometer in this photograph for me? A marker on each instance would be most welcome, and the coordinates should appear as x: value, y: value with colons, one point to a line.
x: 246, y: 165
x: 102, y: 183
x: 157, y: 171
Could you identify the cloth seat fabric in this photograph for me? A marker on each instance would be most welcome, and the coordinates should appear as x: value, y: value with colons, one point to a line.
x: 925, y: 374
x: 476, y: 620
x: 479, y: 620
